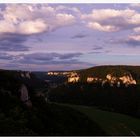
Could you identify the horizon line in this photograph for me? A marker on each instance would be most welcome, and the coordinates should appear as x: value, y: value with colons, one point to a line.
x: 66, y: 70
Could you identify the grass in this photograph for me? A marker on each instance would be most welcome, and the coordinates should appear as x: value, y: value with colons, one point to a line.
x: 114, y: 124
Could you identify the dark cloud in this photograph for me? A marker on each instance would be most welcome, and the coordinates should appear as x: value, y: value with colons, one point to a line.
x: 69, y: 55
x: 96, y: 47
x: 132, y: 42
x: 53, y: 62
x: 10, y: 37
x: 5, y: 56
x: 12, y: 66
x: 49, y: 58
x: 129, y: 41
x: 39, y: 57
x: 13, y: 47
x: 96, y: 52
x: 13, y: 42
x: 80, y: 35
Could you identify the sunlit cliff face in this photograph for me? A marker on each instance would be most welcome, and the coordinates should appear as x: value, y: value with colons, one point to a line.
x: 126, y: 79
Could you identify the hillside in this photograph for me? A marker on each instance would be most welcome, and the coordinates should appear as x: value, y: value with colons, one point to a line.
x: 114, y: 124
x: 98, y: 72
x: 102, y: 71
x: 24, y: 112
x: 27, y: 103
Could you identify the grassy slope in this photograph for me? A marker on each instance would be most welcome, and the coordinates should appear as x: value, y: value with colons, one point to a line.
x: 66, y: 121
x: 114, y: 124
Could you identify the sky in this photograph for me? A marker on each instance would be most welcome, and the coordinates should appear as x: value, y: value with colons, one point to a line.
x: 44, y: 37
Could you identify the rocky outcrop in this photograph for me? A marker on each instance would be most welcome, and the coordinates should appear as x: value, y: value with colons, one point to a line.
x: 126, y: 80
x: 93, y: 79
x: 26, y: 75
x: 90, y: 79
x: 115, y: 78
x: 73, y: 78
x: 24, y: 96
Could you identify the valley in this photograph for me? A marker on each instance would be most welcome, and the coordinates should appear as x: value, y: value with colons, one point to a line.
x: 102, y: 101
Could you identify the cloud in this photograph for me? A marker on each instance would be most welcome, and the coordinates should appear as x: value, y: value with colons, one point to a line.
x: 10, y: 37
x: 33, y: 27
x: 45, y: 58
x: 97, y: 50
x: 137, y: 30
x: 13, y: 47
x: 13, y: 42
x: 80, y: 35
x: 96, y: 47
x: 12, y: 66
x: 62, y: 8
x: 135, y: 5
x: 57, y: 61
x: 64, y: 19
x: 105, y: 28
x: 111, y: 20
x: 5, y: 56
x: 69, y: 55
x: 131, y: 40
x: 32, y: 19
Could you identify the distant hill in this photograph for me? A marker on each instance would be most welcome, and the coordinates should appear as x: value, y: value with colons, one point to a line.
x: 97, y: 71
x: 119, y: 70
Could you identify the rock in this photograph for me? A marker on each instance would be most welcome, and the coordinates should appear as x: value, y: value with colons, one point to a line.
x: 28, y: 75
x: 73, y: 78
x: 24, y: 96
x: 22, y: 75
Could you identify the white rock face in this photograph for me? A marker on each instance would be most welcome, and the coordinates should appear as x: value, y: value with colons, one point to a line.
x: 133, y: 82
x: 22, y: 75
x: 118, y: 84
x: 24, y: 93
x: 128, y: 80
x: 73, y: 77
x: 50, y: 73
x: 90, y: 79
x: 25, y: 75
x: 103, y: 82
x: 109, y: 76
x: 28, y: 75
x: 93, y: 79
x: 112, y: 80
x: 24, y: 96
x: 66, y: 73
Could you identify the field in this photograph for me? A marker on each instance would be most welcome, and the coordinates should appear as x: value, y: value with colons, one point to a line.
x: 113, y: 124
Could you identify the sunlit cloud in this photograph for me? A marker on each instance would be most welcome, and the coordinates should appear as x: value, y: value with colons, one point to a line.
x: 68, y: 36
x: 32, y: 19
x: 112, y: 20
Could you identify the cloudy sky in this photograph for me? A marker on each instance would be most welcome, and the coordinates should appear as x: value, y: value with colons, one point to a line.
x: 41, y: 37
